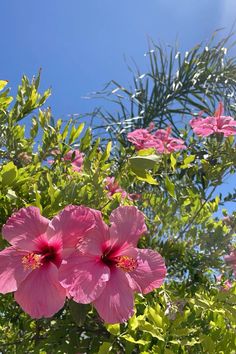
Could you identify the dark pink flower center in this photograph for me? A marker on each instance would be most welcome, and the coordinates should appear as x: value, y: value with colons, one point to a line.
x: 45, y: 253
x: 126, y: 263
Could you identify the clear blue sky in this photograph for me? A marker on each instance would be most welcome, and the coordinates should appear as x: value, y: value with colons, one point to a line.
x: 80, y: 44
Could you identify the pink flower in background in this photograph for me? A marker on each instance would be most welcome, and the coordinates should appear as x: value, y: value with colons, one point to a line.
x: 226, y: 285
x: 107, y: 267
x: 141, y: 139
x: 76, y: 158
x: 231, y: 259
x: 161, y: 140
x: 218, y: 124
x: 113, y: 187
x: 30, y: 266
x: 166, y: 143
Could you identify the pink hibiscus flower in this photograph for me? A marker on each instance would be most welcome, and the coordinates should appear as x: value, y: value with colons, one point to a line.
x: 30, y: 266
x: 107, y: 267
x: 76, y: 157
x: 166, y: 143
x: 161, y: 140
x: 113, y: 187
x: 231, y: 259
x: 218, y: 124
x: 141, y: 139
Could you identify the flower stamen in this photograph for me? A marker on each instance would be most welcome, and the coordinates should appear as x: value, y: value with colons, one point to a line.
x: 127, y: 264
x: 31, y: 261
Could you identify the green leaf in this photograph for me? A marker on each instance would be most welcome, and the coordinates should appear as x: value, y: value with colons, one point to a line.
x: 94, y: 152
x: 129, y: 338
x: 86, y: 140
x: 3, y: 83
x: 105, y: 348
x: 187, y: 161
x: 154, y: 331
x: 113, y: 329
x: 34, y: 128
x: 170, y: 187
x: 75, y: 133
x: 144, y: 162
x: 78, y: 312
x: 106, y: 154
x: 8, y: 174
x: 155, y: 317
x: 140, y: 164
x: 144, y: 176
x: 184, y: 331
x: 134, y: 323
x: 53, y: 191
x: 207, y: 343
x: 172, y: 161
x: 65, y: 130
x: 146, y: 152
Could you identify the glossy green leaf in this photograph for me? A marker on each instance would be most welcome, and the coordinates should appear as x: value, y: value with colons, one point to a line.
x: 8, y: 174
x: 144, y: 162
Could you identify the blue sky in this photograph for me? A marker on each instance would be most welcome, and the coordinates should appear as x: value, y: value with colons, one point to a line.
x: 80, y: 45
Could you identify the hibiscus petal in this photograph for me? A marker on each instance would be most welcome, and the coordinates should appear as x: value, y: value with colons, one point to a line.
x: 203, y: 131
x: 116, y: 303
x: 24, y: 227
x: 41, y: 294
x: 12, y: 272
x: 196, y: 122
x: 96, y: 237
x: 127, y: 225
x: 139, y: 138
x: 149, y: 274
x: 219, y: 110
x: 227, y: 131
x: 71, y: 225
x: 204, y: 127
x: 84, y: 276
x: 227, y: 126
x: 229, y: 121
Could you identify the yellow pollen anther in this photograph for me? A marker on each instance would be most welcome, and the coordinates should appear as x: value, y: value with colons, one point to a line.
x: 127, y: 264
x: 31, y: 261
